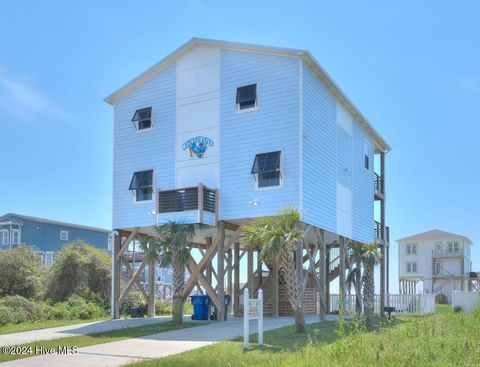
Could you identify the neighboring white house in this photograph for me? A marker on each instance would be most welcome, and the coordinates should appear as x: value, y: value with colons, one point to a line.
x: 439, y: 260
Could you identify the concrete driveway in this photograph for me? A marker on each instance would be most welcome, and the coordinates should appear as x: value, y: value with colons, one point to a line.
x: 78, y: 329
x: 153, y: 346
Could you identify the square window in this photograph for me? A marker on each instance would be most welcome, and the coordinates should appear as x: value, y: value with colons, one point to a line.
x: 142, y: 185
x: 143, y: 118
x: 247, y: 97
x: 411, y: 267
x: 64, y: 235
x: 266, y: 168
x: 411, y: 249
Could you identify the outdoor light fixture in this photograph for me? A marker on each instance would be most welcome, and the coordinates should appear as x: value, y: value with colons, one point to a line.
x: 152, y: 212
x: 254, y: 202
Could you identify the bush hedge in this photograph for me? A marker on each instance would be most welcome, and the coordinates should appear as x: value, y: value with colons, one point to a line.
x: 17, y: 309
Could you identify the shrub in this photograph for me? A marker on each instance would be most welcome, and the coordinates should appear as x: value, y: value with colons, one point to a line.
x: 134, y: 299
x: 19, y: 303
x: 20, y: 272
x: 458, y: 309
x: 79, y: 269
x: 5, y: 315
x: 81, y: 309
x: 163, y: 307
x: 60, y: 311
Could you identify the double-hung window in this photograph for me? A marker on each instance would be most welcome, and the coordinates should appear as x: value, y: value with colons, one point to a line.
x: 143, y: 118
x: 411, y: 248
x: 49, y: 258
x: 411, y: 267
x: 247, y: 97
x: 142, y: 185
x: 266, y: 168
x: 16, y: 236
x: 453, y: 247
x: 5, y: 237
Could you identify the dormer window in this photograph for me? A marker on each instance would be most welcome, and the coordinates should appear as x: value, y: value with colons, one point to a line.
x: 266, y: 168
x: 247, y: 97
x: 142, y: 185
x: 143, y: 118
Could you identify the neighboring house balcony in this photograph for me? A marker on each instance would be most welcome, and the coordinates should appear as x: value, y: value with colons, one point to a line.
x: 379, y: 187
x: 197, y: 204
x: 381, y: 232
x: 447, y: 253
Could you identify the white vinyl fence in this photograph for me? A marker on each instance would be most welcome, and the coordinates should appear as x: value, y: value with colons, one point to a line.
x: 416, y: 304
x: 466, y: 300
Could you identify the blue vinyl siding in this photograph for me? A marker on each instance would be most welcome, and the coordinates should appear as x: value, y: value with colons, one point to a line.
x: 331, y: 155
x: 362, y: 188
x: 46, y: 236
x: 274, y: 126
x: 319, y: 154
x: 150, y: 149
x: 344, y: 157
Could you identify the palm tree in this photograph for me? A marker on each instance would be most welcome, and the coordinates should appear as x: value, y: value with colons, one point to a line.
x: 277, y: 237
x: 370, y: 257
x: 173, y: 251
x: 352, y: 279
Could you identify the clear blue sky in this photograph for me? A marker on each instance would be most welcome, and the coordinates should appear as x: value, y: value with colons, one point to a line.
x: 413, y: 68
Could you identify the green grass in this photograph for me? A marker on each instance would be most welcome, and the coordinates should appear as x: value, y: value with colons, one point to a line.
x: 29, y: 326
x: 444, y: 339
x: 99, y: 338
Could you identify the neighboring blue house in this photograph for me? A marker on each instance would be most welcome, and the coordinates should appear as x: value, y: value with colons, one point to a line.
x: 46, y: 236
x: 218, y: 133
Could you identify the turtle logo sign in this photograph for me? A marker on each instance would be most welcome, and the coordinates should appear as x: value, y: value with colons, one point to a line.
x: 197, y: 146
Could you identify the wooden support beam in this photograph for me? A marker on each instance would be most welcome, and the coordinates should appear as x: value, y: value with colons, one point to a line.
x: 197, y: 284
x: 220, y: 271
x: 136, y: 280
x: 342, y: 282
x: 229, y: 272
x: 131, y: 282
x: 322, y: 273
x: 207, y: 258
x: 382, y: 279
x: 258, y: 279
x: 327, y: 280
x: 151, y: 290
x: 116, y: 277
x: 275, y: 289
x: 127, y: 242
x: 231, y: 226
x: 203, y: 281
x: 236, y: 284
x: 299, y: 267
x: 235, y: 236
x: 250, y: 274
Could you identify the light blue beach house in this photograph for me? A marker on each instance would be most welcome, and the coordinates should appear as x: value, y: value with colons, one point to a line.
x: 220, y: 132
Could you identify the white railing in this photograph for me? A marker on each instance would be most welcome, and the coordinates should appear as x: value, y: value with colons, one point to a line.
x: 417, y: 304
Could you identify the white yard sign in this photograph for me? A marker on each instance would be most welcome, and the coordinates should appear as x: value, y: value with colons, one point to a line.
x: 252, y: 310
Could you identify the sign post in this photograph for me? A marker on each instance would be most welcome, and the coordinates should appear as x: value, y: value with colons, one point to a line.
x: 252, y: 310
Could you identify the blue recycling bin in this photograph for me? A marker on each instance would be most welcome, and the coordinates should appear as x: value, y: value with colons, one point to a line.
x: 200, y: 307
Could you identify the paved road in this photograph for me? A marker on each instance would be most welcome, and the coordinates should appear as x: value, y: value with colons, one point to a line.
x: 72, y: 330
x: 152, y: 346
